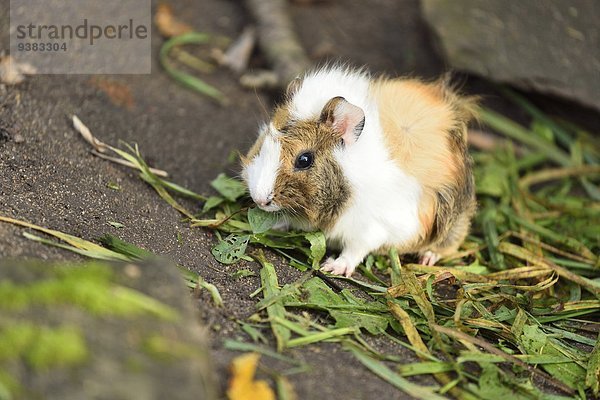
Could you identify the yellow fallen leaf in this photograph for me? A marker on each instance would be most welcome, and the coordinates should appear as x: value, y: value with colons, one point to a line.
x: 242, y: 385
x: 12, y: 72
x: 168, y: 25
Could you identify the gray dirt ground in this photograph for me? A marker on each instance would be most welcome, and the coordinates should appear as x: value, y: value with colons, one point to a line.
x: 51, y: 179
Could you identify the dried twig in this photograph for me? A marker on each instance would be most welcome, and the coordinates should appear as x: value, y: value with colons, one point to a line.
x: 277, y: 38
x: 238, y: 54
x: 484, y: 140
x: 262, y: 79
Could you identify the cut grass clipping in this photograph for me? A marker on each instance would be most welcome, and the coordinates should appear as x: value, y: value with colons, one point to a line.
x: 515, y: 313
x: 173, y: 45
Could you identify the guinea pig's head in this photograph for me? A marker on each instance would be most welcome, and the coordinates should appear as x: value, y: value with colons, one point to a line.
x: 293, y: 167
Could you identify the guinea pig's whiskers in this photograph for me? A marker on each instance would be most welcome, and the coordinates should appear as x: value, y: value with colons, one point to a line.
x: 295, y: 212
x: 239, y: 177
x: 290, y: 210
x: 262, y: 105
x: 281, y: 216
x: 294, y: 208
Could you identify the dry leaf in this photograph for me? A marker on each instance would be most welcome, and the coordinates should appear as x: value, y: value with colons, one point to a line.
x: 12, y: 72
x: 168, y: 25
x: 242, y: 385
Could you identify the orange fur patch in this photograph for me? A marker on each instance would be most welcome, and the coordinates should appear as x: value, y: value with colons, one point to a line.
x: 416, y: 121
x: 427, y: 213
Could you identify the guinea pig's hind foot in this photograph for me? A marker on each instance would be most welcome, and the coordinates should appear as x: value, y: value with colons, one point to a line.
x: 429, y: 258
x: 338, y: 266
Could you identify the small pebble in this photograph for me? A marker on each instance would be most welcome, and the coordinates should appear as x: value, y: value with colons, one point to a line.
x: 18, y: 138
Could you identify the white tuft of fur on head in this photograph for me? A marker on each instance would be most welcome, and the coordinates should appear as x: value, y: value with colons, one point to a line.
x: 261, y: 172
x: 319, y: 86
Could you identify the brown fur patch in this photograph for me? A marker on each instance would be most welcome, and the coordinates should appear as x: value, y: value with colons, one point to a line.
x: 281, y: 118
x: 320, y: 192
x: 293, y: 87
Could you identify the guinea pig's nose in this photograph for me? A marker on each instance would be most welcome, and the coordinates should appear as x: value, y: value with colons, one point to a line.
x: 264, y: 201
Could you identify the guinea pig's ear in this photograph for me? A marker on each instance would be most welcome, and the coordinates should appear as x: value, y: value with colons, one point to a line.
x: 346, y: 119
x: 293, y: 87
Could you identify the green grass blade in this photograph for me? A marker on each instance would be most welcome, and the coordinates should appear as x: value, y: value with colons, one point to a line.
x: 81, y: 244
x: 247, y: 347
x: 419, y: 296
x: 268, y: 279
x: 425, y: 367
x: 212, y: 289
x: 85, y: 253
x: 561, y: 134
x: 182, y: 77
x: 515, y: 131
x: 320, y: 336
x: 592, y: 377
x: 127, y: 249
x: 385, y: 373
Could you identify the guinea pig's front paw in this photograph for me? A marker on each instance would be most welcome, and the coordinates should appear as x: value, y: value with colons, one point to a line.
x: 339, y: 266
x: 429, y: 258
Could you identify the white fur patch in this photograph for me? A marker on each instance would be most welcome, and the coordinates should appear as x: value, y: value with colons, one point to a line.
x: 383, y: 210
x: 262, y: 170
x: 318, y: 87
x: 384, y: 207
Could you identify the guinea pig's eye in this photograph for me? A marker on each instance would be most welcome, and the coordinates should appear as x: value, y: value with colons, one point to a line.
x: 304, y: 160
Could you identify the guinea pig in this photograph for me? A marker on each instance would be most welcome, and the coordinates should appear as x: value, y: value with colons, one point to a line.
x: 374, y: 163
